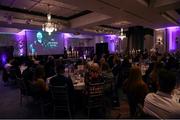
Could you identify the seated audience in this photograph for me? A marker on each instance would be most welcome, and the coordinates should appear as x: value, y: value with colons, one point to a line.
x: 102, y: 61
x: 50, y: 67
x: 60, y: 80
x: 116, y: 71
x: 125, y: 68
x: 39, y: 84
x: 94, y: 75
x: 135, y: 89
x: 153, y: 82
x: 117, y: 81
x: 15, y: 71
x: 28, y: 73
x: 5, y: 72
x: 161, y: 104
x: 106, y: 71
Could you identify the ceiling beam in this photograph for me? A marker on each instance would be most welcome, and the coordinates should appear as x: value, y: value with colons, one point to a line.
x: 88, y: 19
x: 24, y: 11
x: 171, y: 5
x: 110, y: 8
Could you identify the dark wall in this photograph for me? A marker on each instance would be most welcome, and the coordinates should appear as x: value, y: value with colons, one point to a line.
x: 136, y: 37
x: 101, y: 48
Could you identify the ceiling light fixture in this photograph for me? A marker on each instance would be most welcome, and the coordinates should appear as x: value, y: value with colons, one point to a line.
x: 49, y: 26
x: 122, y: 35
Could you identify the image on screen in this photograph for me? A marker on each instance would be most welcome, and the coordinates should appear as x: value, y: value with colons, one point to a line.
x: 40, y: 43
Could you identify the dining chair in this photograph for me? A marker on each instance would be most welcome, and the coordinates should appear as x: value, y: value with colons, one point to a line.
x: 95, y: 97
x: 60, y: 99
x: 23, y: 89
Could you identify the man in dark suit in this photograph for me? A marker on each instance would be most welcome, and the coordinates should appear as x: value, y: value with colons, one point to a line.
x: 60, y: 80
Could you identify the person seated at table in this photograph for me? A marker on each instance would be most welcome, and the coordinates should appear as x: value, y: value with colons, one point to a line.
x: 125, y: 68
x: 135, y: 89
x: 8, y: 65
x: 102, y: 61
x: 60, y: 80
x: 117, y: 80
x: 39, y: 85
x: 161, y: 104
x: 116, y: 71
x: 27, y: 76
x: 110, y: 60
x: 50, y: 67
x: 106, y: 71
x: 153, y: 81
x: 6, y: 70
x: 94, y: 75
x: 14, y: 69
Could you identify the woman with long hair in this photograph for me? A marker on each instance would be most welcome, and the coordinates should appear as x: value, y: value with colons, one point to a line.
x: 135, y: 89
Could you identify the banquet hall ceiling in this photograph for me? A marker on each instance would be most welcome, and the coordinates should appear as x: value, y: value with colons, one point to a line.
x: 90, y: 14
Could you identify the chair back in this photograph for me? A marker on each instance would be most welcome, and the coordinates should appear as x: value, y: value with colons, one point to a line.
x: 60, y: 99
x: 95, y: 97
x: 95, y: 89
x: 22, y: 86
x: 60, y: 96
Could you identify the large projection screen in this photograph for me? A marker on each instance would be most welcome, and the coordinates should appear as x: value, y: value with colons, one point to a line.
x: 40, y: 43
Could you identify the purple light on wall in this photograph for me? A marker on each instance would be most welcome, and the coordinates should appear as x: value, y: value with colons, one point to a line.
x: 4, y: 59
x: 20, y: 39
x: 172, y: 34
x: 22, y: 32
x: 66, y: 36
x: 111, y: 39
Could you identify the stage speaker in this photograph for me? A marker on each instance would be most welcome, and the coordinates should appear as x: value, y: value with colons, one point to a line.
x: 101, y: 48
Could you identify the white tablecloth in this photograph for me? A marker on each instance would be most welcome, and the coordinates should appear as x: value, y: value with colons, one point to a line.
x: 79, y: 83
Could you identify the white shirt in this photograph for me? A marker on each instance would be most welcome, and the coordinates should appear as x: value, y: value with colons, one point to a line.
x: 48, y: 79
x: 161, y: 105
x: 22, y: 68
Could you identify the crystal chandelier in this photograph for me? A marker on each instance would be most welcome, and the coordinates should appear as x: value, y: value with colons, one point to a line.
x: 122, y: 36
x: 49, y: 26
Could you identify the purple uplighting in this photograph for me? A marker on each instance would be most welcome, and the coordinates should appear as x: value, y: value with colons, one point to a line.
x: 22, y: 33
x: 111, y: 39
x: 172, y: 35
x: 4, y: 59
x: 20, y: 38
x: 66, y: 37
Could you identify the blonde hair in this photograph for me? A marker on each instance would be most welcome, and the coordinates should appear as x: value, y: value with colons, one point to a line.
x: 135, y: 79
x: 94, y: 67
